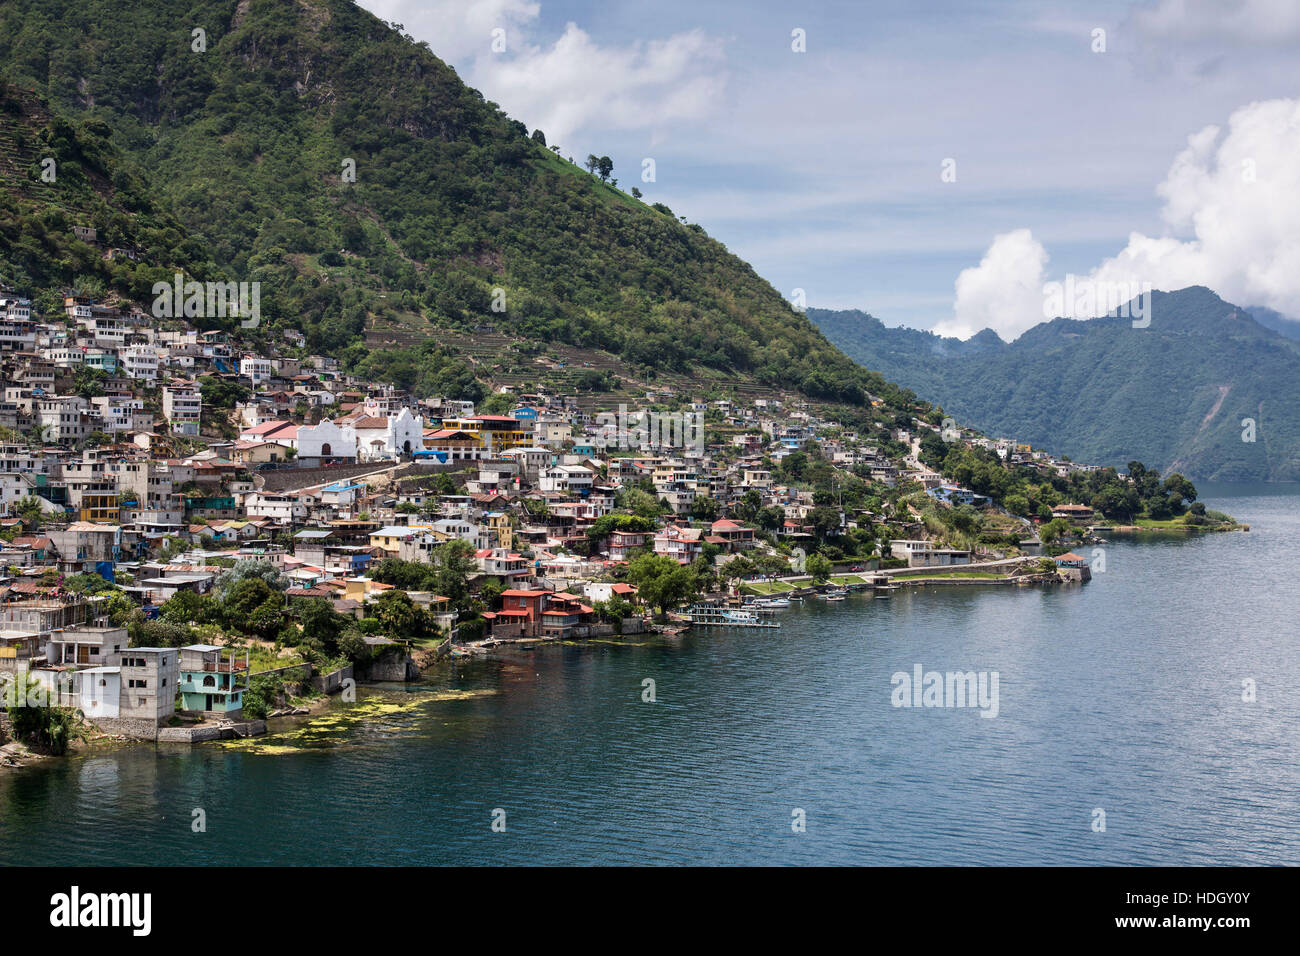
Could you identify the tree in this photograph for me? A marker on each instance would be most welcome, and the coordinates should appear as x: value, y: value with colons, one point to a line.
x: 771, y: 518
x: 705, y: 508
x: 1179, y: 490
x: 400, y: 616
x: 748, y: 507
x: 265, y: 620
x: 29, y: 511
x: 252, y: 568
x: 737, y: 569
x: 825, y: 521
x: 819, y: 567
x: 592, y: 162
x: 48, y: 729
x: 636, y: 193
x: 639, y: 502
x: 1054, y: 529
x: 187, y: 607
x: 490, y: 593
x: 454, y: 562
x: 660, y: 581
x: 604, y: 166
x: 539, y: 137
x: 241, y: 599
x: 1016, y: 504
x: 320, y: 622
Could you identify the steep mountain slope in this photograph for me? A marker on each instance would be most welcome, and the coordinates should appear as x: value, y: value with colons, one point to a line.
x: 54, y: 177
x: 1272, y: 319
x: 455, y: 208
x: 1173, y: 395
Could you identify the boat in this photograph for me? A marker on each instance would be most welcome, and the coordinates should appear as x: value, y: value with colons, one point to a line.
x: 835, y: 597
x: 775, y: 602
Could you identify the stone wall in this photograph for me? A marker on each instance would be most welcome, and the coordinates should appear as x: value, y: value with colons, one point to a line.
x: 137, y: 727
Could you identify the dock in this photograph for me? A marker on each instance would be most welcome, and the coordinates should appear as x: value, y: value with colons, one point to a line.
x: 710, y: 615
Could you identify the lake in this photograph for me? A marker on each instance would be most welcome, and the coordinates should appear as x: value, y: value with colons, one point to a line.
x: 1123, y: 695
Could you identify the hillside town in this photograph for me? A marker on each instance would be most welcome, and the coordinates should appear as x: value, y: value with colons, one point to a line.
x: 180, y: 512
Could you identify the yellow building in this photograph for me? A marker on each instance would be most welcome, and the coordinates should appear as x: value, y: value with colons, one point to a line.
x: 392, y: 537
x: 101, y: 508
x: 494, y: 433
x: 498, y: 522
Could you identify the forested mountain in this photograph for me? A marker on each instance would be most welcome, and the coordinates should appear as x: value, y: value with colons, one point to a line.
x: 1176, y: 395
x: 248, y: 131
x: 1272, y: 319
x: 54, y: 176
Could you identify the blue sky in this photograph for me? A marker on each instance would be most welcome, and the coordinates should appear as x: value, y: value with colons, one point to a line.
x: 822, y: 168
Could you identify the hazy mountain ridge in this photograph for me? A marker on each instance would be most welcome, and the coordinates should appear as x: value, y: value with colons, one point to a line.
x: 1173, y: 394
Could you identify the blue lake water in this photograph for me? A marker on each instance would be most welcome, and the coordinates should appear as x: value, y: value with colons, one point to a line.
x: 1124, y: 695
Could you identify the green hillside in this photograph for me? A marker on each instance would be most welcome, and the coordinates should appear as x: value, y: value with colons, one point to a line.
x: 1173, y: 395
x: 84, y: 185
x: 246, y: 143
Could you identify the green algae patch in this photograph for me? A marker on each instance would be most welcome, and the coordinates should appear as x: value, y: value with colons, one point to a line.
x: 351, y: 724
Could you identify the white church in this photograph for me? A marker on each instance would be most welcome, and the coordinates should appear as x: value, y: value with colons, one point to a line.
x: 363, y: 437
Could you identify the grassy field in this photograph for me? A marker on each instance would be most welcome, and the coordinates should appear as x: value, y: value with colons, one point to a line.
x: 929, y: 573
x: 766, y: 587
x: 847, y: 579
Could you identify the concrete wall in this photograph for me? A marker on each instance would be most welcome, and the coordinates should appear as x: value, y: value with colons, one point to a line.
x: 332, y: 683
x: 390, y: 663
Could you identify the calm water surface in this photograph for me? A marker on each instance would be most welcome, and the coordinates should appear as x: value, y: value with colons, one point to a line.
x: 1124, y: 694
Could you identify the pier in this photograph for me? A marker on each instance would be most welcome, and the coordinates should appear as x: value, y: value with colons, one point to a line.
x: 711, y: 615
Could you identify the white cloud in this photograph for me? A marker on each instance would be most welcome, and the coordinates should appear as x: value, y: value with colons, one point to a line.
x: 1004, y: 292
x: 575, y: 83
x: 455, y: 29
x: 1233, y: 198
x: 1272, y: 22
x: 572, y: 83
x: 1237, y: 197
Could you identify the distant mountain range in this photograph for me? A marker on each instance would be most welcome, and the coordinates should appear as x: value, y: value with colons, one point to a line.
x: 1173, y: 395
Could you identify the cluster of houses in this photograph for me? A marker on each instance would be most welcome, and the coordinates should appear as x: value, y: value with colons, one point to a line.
x: 144, y: 485
x: 58, y: 649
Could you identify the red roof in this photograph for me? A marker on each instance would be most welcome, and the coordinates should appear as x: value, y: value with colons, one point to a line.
x: 273, y: 428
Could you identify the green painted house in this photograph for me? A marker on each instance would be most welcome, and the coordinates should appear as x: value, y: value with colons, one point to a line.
x: 211, y: 681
